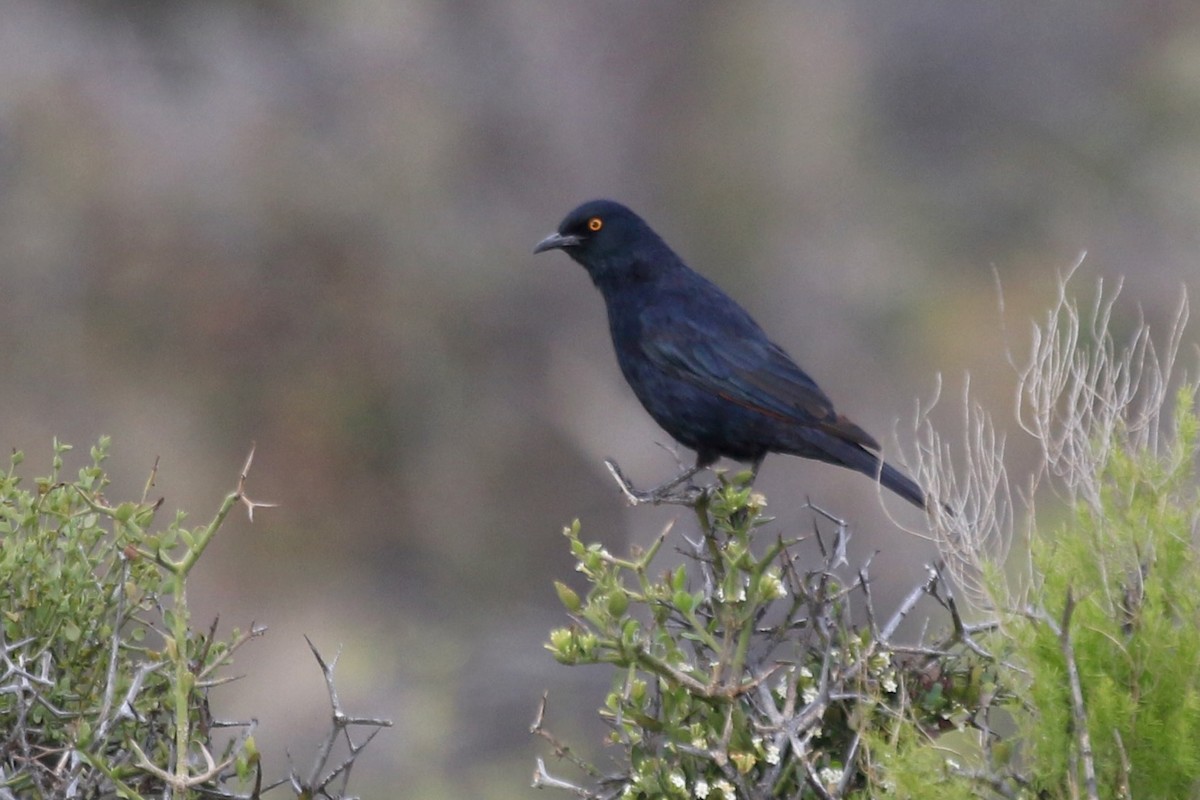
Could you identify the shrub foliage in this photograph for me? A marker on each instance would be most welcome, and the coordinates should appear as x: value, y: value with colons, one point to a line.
x: 104, y: 679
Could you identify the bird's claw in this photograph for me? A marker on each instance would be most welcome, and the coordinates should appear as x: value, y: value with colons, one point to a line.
x: 670, y: 493
x: 687, y: 496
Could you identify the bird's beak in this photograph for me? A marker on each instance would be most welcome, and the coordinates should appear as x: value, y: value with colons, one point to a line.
x: 556, y: 241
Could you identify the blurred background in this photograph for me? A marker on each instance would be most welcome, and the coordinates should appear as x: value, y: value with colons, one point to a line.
x: 308, y: 225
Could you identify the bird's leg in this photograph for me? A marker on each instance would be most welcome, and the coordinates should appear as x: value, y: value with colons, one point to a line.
x: 659, y: 494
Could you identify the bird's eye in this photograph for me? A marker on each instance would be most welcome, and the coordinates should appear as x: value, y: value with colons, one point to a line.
x: 595, y: 224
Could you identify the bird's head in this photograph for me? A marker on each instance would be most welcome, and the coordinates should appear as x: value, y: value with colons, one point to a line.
x: 603, y: 236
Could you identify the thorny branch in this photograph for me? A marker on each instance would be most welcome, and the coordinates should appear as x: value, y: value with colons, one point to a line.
x: 322, y: 776
x: 127, y: 740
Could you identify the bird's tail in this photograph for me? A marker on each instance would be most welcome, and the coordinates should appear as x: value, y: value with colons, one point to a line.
x: 901, y: 484
x: 856, y: 457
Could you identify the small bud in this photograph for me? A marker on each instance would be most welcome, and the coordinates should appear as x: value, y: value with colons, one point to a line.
x: 250, y: 748
x: 630, y: 633
x: 560, y: 638
x: 683, y: 601
x: 144, y: 516
x: 744, y: 761
x: 567, y: 596
x: 771, y: 586
x: 588, y: 642
x: 83, y: 735
x: 618, y: 602
x: 679, y: 579
x: 563, y: 645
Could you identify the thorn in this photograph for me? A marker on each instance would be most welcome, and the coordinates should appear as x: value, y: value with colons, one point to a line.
x: 251, y: 505
x: 241, y: 487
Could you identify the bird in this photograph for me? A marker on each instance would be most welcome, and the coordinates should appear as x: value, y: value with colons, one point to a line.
x: 703, y: 369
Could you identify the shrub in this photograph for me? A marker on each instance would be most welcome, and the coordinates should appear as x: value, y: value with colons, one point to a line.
x: 105, y: 681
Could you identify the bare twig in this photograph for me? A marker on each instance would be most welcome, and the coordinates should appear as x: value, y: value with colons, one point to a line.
x: 1123, y: 789
x: 543, y: 779
x: 342, y: 722
x: 150, y: 481
x: 560, y: 750
x: 253, y: 632
x: 114, y: 645
x: 1078, y: 709
x: 909, y: 603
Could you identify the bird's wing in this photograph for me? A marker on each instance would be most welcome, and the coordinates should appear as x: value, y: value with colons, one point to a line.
x: 744, y: 367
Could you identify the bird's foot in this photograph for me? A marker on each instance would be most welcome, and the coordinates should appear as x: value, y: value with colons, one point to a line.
x: 677, y: 491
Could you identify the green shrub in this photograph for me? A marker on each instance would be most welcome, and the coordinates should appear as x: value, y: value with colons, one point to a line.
x: 104, y: 684
x: 1111, y: 639
x: 744, y: 673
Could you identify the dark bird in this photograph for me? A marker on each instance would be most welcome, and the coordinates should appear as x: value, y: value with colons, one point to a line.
x: 701, y: 366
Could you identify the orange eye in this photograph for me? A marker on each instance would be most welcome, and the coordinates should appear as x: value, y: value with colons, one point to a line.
x: 595, y: 224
